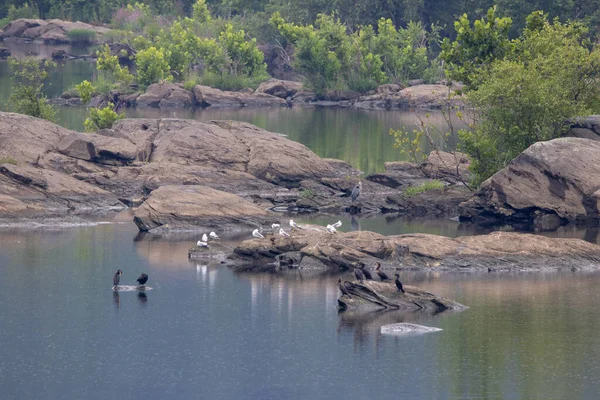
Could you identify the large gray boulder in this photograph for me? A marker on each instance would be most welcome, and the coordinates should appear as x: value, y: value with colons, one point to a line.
x: 238, y: 146
x: 280, y: 88
x: 212, y: 97
x: 549, y: 184
x: 98, y: 148
x: 420, y: 96
x: 25, y: 139
x: 191, y: 207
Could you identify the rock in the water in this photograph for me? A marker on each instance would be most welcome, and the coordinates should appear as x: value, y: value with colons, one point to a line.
x: 497, y: 251
x: 51, y: 31
x: 542, y: 187
x: 385, y: 295
x: 4, y: 53
x: 190, y: 207
x: 405, y: 328
x: 212, y: 97
x: 279, y: 88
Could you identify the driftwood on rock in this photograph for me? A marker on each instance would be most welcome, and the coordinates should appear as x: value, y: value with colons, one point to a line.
x: 384, y: 295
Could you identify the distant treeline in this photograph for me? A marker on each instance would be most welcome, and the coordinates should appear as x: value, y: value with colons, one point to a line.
x: 351, y: 12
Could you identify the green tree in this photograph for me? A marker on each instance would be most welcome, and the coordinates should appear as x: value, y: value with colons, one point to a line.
x: 102, y: 118
x: 553, y: 76
x: 476, y: 47
x: 27, y: 95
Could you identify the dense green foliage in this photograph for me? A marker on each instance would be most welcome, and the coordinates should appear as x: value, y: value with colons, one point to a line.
x: 551, y: 75
x: 254, y: 14
x: 28, y: 82
x: 81, y: 36
x: 151, y: 66
x: 330, y: 58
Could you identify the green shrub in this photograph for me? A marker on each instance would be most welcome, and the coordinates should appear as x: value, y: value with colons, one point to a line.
x: 152, y: 66
x: 431, y: 185
x: 85, y: 90
x: 81, y: 36
x: 27, y: 98
x: 231, y: 82
x: 102, y: 118
x: 22, y: 12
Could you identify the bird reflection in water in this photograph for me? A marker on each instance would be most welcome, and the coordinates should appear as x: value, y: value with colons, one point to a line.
x: 142, y: 297
x: 117, y: 298
x: 354, y: 223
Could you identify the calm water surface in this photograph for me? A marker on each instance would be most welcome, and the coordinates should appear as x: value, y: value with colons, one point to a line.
x: 205, y: 332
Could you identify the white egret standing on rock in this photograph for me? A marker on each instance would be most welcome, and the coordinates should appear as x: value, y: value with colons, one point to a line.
x: 331, y: 229
x: 204, y: 238
x: 294, y: 225
x: 356, y: 191
x: 275, y: 226
x: 283, y: 233
x: 257, y: 234
x: 200, y: 243
x: 337, y: 224
x: 214, y: 235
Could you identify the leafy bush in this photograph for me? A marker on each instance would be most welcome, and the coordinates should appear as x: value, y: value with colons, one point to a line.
x: 102, y: 118
x: 25, y: 11
x: 152, y: 66
x: 27, y: 98
x: 81, y: 36
x: 231, y: 82
x: 85, y: 90
x: 430, y: 185
x: 110, y: 64
x: 200, y: 12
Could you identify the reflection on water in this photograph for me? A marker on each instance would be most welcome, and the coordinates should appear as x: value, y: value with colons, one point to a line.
x: 207, y: 332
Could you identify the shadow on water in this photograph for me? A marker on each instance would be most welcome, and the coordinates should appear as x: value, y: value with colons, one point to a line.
x: 142, y: 297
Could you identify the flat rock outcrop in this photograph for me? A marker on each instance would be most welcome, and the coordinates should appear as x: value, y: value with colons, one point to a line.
x: 138, y: 156
x: 52, y: 31
x: 313, y: 247
x: 420, y: 96
x: 550, y: 184
x: 191, y: 207
x: 212, y: 97
x: 384, y: 295
x: 27, y: 191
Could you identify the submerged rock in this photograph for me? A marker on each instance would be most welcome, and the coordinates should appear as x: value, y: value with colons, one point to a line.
x: 405, y: 328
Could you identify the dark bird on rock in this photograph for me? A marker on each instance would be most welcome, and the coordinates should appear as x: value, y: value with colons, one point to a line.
x: 142, y: 279
x: 399, y: 284
x: 366, y: 273
x: 343, y: 288
x: 356, y: 191
x: 359, y: 275
x: 117, y: 277
x: 382, y: 275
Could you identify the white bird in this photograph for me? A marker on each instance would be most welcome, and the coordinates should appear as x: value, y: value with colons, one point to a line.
x: 214, y: 235
x: 294, y: 225
x: 331, y: 229
x: 201, y: 243
x: 257, y: 234
x: 283, y: 233
x: 337, y: 224
x: 275, y: 226
x: 204, y: 238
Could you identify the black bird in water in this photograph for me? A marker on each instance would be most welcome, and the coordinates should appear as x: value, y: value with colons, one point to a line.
x: 359, y: 275
x: 399, y: 284
x: 117, y: 277
x: 382, y: 275
x: 343, y: 288
x: 356, y: 191
x: 366, y: 272
x: 142, y: 279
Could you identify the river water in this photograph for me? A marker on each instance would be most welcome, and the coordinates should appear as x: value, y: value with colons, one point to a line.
x: 203, y: 331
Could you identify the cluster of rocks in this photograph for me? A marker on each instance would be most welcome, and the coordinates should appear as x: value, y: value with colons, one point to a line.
x: 171, y: 166
x: 54, y: 31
